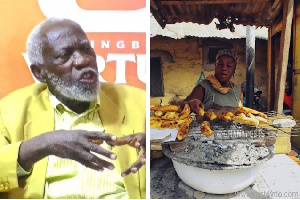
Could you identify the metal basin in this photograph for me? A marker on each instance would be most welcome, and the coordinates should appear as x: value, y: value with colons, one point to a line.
x: 226, y: 162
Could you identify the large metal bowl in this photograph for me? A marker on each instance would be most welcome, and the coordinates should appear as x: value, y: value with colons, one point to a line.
x: 219, y: 166
x: 226, y: 162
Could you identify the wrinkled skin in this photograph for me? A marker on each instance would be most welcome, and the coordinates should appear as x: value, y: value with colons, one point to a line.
x: 70, y: 62
x: 73, y: 144
x: 138, y: 141
x: 68, y: 59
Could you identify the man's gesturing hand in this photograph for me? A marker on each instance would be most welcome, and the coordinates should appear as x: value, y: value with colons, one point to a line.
x: 138, y: 141
x: 76, y: 145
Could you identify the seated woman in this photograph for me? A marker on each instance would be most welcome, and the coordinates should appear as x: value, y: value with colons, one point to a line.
x: 217, y: 88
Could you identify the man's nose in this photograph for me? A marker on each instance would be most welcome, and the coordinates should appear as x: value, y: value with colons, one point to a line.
x: 80, y: 59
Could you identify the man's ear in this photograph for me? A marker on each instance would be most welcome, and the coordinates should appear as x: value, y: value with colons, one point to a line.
x: 37, y: 71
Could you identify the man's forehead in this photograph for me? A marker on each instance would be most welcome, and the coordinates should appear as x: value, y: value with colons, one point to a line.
x: 68, y: 43
x: 66, y: 36
x: 54, y: 32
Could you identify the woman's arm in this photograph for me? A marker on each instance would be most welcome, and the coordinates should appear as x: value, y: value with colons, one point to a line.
x: 194, y: 99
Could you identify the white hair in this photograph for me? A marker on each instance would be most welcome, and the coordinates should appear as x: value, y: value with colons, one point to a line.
x: 36, y: 39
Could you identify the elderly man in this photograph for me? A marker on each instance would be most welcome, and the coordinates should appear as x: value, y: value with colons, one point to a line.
x: 62, y: 138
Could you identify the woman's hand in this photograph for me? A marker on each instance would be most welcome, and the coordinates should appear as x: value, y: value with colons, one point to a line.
x: 75, y: 145
x: 138, y: 141
x: 195, y: 105
x: 195, y: 98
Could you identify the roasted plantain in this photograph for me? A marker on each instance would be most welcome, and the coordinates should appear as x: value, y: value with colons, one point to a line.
x: 210, y: 115
x: 183, y: 131
x: 201, y: 112
x: 185, y: 112
x: 170, y: 116
x: 224, y: 117
x: 205, y: 128
x: 243, y: 119
x: 166, y: 108
x: 246, y: 110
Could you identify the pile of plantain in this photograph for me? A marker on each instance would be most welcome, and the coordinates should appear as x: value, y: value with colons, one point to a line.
x: 171, y: 116
x: 242, y: 115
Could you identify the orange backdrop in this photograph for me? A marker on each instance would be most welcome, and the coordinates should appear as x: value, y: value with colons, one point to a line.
x: 120, y: 53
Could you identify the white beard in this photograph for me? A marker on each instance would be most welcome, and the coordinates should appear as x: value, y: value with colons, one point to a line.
x: 74, y: 90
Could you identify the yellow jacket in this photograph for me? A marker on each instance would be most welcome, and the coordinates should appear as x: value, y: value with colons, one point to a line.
x: 27, y: 113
